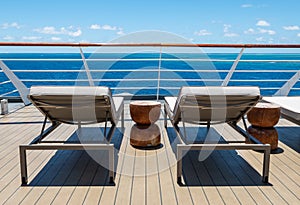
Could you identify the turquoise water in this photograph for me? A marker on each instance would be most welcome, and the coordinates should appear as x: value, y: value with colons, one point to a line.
x: 198, y: 73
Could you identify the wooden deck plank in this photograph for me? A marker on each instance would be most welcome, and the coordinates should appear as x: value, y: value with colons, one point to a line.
x: 255, y: 160
x: 42, y: 172
x: 121, y: 192
x: 24, y: 191
x: 96, y: 189
x: 166, y: 178
x: 31, y: 157
x: 67, y: 189
x: 81, y: 189
x: 11, y: 174
x: 153, y: 191
x: 13, y: 193
x: 227, y: 177
x: 282, y: 188
x: 138, y: 192
x: 167, y: 183
x: 183, y: 195
x: 59, y: 178
x: 287, y: 188
x: 220, y: 179
x: 191, y: 180
x: 11, y: 160
x: 40, y: 185
x: 272, y: 194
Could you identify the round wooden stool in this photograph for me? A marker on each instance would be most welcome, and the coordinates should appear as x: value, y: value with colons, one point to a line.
x: 145, y: 112
x: 264, y: 115
x: 145, y: 135
x: 265, y: 135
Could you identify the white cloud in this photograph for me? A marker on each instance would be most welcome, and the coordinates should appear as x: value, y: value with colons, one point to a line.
x: 8, y: 38
x: 226, y: 28
x: 246, y: 5
x: 120, y: 32
x: 95, y: 27
x: 270, y: 32
x: 74, y: 33
x: 231, y: 34
x: 31, y: 38
x: 47, y: 30
x: 62, y: 31
x: 55, y: 38
x: 291, y: 28
x: 298, y: 35
x: 109, y: 28
x: 260, y: 39
x: 203, y: 32
x: 271, y: 40
x: 262, y: 23
x: 10, y: 25
x: 104, y: 27
x: 227, y: 33
x: 84, y: 41
x: 250, y: 31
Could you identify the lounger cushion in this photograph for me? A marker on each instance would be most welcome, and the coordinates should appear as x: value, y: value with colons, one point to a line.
x: 69, y: 90
x: 290, y: 106
x: 212, y: 103
x: 217, y: 90
x: 77, y: 104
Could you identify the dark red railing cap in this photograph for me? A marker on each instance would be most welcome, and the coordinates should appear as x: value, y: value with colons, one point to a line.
x: 149, y: 45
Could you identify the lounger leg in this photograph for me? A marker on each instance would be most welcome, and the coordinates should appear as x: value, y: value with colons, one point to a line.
x: 165, y: 116
x: 244, y: 122
x: 23, y: 165
x: 179, y: 165
x: 266, y: 165
x: 122, y: 121
x: 208, y: 125
x: 111, y: 165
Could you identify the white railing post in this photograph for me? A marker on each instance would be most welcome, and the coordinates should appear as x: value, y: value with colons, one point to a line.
x: 22, y: 89
x: 285, y: 89
x: 86, y: 67
x: 232, y: 69
x: 158, y: 74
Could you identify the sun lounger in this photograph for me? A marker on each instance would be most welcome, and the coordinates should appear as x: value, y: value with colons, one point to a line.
x: 78, y: 105
x: 210, y: 105
x: 290, y: 107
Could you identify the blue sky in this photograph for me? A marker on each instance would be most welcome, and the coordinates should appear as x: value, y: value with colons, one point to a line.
x: 200, y: 21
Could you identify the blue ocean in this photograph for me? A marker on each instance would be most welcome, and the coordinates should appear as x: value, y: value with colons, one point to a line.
x: 142, y: 73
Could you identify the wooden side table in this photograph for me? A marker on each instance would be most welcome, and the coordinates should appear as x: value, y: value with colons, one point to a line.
x: 145, y: 133
x: 145, y: 112
x: 263, y: 117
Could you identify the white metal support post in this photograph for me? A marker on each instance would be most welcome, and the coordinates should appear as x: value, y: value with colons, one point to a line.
x: 86, y: 67
x: 19, y: 85
x: 232, y: 69
x: 285, y: 89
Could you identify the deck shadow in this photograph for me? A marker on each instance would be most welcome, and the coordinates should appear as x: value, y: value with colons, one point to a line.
x: 78, y: 167
x: 290, y: 136
x: 21, y: 123
x: 220, y: 168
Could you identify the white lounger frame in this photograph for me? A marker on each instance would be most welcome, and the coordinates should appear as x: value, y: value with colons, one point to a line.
x: 40, y: 144
x: 233, y: 145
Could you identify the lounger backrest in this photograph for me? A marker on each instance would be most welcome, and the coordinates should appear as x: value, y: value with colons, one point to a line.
x: 74, y: 104
x: 216, y: 104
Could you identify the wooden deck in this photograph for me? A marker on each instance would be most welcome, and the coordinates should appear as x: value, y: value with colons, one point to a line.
x: 144, y: 176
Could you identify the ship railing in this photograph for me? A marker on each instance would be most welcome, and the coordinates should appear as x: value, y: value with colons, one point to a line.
x: 156, y: 80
